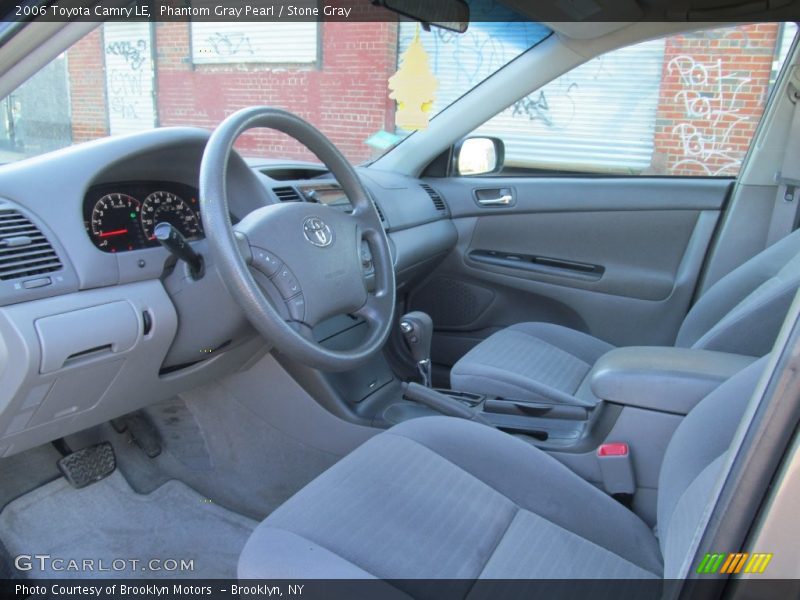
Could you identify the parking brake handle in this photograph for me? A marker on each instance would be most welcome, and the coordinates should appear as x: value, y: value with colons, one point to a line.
x: 441, y: 403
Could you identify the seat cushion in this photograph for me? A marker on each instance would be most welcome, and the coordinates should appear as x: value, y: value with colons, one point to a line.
x: 439, y: 497
x: 531, y: 361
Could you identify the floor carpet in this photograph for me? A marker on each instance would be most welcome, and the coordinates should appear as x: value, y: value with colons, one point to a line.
x: 109, y: 521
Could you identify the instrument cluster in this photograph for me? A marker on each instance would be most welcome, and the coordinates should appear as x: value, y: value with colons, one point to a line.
x: 121, y: 217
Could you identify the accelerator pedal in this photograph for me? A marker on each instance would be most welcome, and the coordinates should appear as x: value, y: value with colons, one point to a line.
x: 141, y: 431
x: 88, y: 465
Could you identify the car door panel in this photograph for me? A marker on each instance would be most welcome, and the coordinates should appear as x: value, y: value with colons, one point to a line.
x: 616, y: 257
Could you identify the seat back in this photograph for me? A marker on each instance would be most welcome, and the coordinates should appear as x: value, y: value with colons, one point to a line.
x: 693, y: 460
x: 743, y: 312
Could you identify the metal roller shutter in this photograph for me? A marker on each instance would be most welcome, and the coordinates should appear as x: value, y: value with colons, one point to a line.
x: 600, y: 115
x: 128, y: 51
x: 257, y: 42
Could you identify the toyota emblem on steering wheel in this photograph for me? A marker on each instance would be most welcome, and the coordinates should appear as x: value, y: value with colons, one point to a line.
x: 317, y: 232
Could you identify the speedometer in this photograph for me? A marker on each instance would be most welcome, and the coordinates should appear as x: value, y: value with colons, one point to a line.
x: 114, y: 222
x: 167, y: 207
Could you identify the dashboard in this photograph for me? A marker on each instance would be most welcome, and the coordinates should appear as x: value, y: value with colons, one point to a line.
x: 327, y: 194
x: 121, y: 217
x: 97, y: 319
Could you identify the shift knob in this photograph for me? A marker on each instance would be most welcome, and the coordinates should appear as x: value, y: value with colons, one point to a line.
x: 417, y: 329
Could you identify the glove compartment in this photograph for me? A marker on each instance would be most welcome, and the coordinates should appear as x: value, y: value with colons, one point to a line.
x: 90, y: 333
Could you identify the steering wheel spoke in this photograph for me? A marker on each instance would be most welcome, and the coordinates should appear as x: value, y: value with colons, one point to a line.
x: 308, y: 256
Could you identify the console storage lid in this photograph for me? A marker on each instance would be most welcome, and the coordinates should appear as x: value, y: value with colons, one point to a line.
x: 662, y: 378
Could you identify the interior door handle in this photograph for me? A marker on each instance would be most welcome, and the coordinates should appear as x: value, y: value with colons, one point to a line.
x: 503, y: 200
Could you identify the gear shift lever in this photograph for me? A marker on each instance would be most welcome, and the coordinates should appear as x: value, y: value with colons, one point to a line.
x: 417, y: 329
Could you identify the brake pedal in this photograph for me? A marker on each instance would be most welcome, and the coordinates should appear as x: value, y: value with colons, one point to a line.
x: 88, y: 465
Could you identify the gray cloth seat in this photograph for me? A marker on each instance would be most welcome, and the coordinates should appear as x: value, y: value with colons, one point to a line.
x: 741, y: 314
x: 439, y: 497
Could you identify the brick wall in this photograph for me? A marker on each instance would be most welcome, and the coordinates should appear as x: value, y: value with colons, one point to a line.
x: 87, y: 88
x: 345, y: 94
x: 712, y: 96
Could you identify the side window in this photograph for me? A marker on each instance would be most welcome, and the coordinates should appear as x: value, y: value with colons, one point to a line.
x: 686, y: 105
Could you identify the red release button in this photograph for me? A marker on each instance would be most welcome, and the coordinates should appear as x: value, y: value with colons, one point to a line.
x: 613, y: 449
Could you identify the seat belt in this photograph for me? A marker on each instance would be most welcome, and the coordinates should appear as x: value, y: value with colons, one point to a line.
x: 785, y: 212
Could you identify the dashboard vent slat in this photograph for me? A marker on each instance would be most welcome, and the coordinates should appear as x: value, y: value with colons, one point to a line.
x: 377, y: 206
x: 379, y: 211
x: 438, y: 201
x: 287, y: 194
x: 24, y: 250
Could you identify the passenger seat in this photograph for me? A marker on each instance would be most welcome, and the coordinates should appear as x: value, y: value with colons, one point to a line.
x: 740, y: 314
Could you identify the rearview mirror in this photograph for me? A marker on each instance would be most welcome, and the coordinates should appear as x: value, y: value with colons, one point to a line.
x: 479, y: 156
x: 447, y: 14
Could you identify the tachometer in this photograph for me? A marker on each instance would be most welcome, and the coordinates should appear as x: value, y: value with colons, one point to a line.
x: 115, y: 222
x: 167, y: 207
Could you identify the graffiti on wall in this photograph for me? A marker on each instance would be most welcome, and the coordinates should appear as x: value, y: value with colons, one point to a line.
x: 555, y: 108
x: 133, y: 52
x: 129, y: 77
x: 227, y: 44
x: 709, y: 99
x: 124, y: 88
x: 281, y: 43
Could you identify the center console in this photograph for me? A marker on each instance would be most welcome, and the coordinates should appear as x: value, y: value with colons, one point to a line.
x: 642, y: 394
x: 548, y: 425
x: 670, y: 380
x: 655, y: 379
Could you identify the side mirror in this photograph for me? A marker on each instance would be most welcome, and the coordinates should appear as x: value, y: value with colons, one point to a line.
x: 479, y: 156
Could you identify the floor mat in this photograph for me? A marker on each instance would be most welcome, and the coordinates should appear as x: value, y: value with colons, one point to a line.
x: 109, y: 521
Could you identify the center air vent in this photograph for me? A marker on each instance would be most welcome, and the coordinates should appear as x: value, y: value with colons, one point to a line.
x: 24, y: 250
x: 287, y: 194
x: 437, y: 200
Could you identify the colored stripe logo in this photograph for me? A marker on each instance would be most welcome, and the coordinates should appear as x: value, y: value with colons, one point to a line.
x: 734, y: 562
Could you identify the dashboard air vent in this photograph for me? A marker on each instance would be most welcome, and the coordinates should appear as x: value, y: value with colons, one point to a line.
x: 287, y: 194
x: 438, y: 201
x: 377, y: 208
x: 24, y: 250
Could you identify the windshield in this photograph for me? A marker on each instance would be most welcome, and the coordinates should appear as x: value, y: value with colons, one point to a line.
x: 127, y: 77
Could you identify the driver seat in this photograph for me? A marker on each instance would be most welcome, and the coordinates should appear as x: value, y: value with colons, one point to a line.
x: 445, y: 498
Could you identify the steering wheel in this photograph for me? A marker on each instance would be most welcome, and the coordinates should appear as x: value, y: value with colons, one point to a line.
x: 291, y: 266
